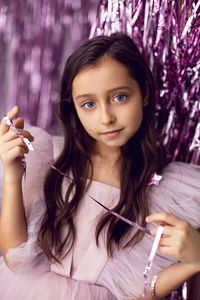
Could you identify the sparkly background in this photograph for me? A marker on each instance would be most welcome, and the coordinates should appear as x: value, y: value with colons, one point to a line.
x: 37, y: 36
x: 35, y: 39
x: 168, y: 34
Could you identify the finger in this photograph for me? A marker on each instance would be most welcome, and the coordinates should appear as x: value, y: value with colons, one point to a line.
x: 166, y: 250
x: 26, y: 134
x: 11, y: 115
x: 16, y: 152
x: 168, y: 230
x: 170, y: 241
x: 15, y: 143
x: 13, y: 112
x: 165, y: 218
x: 19, y: 123
x: 11, y: 135
x: 170, y: 251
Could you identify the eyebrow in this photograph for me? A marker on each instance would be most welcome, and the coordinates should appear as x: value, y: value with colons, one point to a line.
x: 109, y: 91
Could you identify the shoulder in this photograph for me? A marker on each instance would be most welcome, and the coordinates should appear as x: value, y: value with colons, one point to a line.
x: 178, y: 192
x: 182, y: 168
x: 182, y: 176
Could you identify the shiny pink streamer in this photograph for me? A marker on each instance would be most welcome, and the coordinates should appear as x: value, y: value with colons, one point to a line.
x: 155, y: 180
x: 26, y: 141
x: 151, y: 258
x: 11, y: 125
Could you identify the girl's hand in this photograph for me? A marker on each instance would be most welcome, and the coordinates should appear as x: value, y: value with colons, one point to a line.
x: 179, y: 239
x: 12, y: 147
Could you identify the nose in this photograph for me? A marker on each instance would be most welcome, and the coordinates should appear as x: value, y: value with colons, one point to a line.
x: 107, y: 115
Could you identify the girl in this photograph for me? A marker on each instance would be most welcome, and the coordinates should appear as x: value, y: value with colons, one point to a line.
x: 56, y: 241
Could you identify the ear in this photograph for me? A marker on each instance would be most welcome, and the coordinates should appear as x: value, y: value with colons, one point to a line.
x: 146, y: 98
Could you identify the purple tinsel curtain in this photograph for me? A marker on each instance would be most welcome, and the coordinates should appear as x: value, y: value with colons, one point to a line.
x: 37, y: 36
x: 168, y: 34
x: 35, y: 39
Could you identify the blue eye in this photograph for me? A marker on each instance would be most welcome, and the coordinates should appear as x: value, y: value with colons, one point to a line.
x: 88, y: 105
x: 120, y: 97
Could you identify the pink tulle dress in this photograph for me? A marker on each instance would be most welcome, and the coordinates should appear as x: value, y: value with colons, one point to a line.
x: 87, y: 273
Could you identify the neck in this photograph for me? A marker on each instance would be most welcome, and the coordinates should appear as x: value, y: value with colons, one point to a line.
x: 106, y: 168
x: 107, y: 155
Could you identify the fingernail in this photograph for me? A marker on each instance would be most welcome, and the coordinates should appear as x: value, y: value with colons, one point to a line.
x: 147, y: 219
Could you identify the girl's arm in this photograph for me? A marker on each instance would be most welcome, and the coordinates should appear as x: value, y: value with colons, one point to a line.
x: 12, y: 220
x: 13, y: 230
x: 170, y: 279
x: 182, y: 241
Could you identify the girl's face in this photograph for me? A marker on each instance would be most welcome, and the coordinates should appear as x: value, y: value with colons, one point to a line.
x: 108, y: 102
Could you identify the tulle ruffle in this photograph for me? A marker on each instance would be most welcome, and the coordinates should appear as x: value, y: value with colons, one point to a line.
x: 121, y: 277
x: 42, y: 284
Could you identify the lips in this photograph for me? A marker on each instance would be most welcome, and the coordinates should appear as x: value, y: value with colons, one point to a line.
x: 112, y: 133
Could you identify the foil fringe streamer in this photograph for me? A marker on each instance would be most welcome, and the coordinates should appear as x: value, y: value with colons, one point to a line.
x: 36, y: 37
x: 26, y: 141
x: 11, y: 125
x: 167, y: 32
x: 155, y: 180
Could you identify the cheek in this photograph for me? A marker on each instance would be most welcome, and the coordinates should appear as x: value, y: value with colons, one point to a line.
x: 134, y: 116
x: 87, y: 123
x: 80, y: 116
x: 87, y: 120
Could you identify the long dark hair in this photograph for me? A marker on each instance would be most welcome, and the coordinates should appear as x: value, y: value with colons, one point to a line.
x: 143, y: 155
